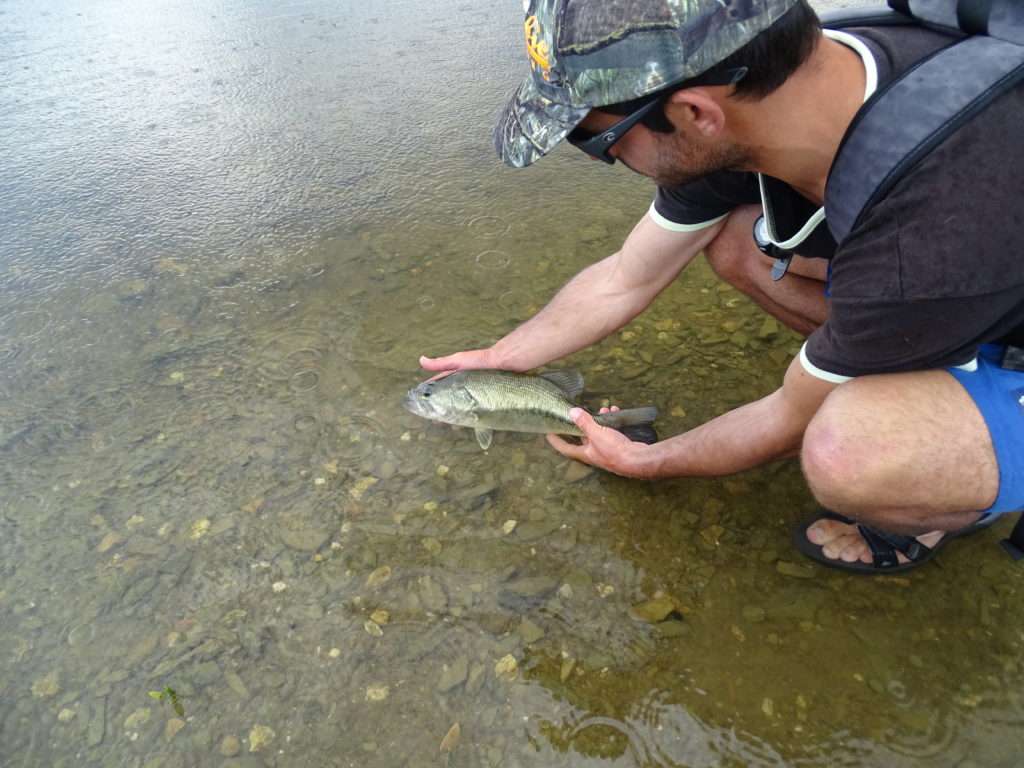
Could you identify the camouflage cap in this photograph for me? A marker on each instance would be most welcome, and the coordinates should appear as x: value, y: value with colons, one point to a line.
x: 589, y: 53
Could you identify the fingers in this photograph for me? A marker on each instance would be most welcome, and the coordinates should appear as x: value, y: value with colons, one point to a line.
x: 606, y: 409
x: 474, y: 358
x: 585, y: 421
x: 438, y: 363
x: 570, y: 450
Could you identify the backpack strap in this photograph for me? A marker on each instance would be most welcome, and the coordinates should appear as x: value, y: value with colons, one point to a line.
x: 913, y: 114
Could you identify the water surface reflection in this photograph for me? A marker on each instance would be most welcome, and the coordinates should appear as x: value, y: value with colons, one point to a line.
x: 232, y: 229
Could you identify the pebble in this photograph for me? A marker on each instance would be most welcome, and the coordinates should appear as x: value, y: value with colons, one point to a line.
x: 173, y: 726
x: 753, y: 613
x: 199, y: 528
x: 509, y: 526
x: 137, y: 718
x: 451, y: 739
x: 432, y: 545
x: 768, y: 707
x: 98, y: 724
x: 109, y: 541
x: 506, y: 667
x: 653, y: 611
x: 453, y: 675
x: 794, y: 570
x: 230, y: 746
x: 531, y: 586
x: 377, y: 692
x: 568, y: 665
x: 530, y: 632
x: 577, y: 471
x: 66, y: 715
x: 279, y: 586
x: 334, y: 653
x: 358, y: 490
x: 235, y: 684
x: 373, y: 628
x: 379, y: 576
x: 46, y: 687
x: 380, y: 616
x: 259, y: 737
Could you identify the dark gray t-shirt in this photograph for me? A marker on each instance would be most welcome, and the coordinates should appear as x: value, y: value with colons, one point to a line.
x: 933, y: 270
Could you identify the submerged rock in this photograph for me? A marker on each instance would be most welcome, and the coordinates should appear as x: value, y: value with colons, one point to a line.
x: 259, y: 737
x: 654, y: 611
x: 47, y: 687
x: 453, y: 675
x: 795, y: 570
x: 230, y: 746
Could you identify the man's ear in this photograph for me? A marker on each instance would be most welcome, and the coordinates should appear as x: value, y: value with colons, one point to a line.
x: 698, y: 109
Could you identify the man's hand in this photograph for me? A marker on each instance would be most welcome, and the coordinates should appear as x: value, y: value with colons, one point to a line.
x: 460, y: 361
x: 602, y: 447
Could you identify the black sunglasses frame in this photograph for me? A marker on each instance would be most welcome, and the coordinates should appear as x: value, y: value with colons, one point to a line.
x: 598, y: 145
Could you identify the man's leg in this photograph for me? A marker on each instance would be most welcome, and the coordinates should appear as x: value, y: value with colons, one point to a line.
x: 905, y: 453
x: 797, y: 300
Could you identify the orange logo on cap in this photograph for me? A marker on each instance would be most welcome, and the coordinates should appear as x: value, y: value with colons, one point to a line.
x: 536, y: 48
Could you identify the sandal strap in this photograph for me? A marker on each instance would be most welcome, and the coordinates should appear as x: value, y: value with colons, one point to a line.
x: 885, y: 545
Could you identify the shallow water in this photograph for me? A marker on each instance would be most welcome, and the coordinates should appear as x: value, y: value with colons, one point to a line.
x: 231, y: 230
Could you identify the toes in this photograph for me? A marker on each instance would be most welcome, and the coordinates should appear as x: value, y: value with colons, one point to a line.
x: 822, y: 532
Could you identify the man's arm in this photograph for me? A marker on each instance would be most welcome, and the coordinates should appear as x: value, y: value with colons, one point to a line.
x: 762, y: 431
x: 594, y: 304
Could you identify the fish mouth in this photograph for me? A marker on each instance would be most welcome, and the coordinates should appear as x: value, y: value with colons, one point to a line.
x: 414, y: 404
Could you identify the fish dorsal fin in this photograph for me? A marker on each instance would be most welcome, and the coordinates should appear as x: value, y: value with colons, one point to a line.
x: 569, y: 380
x: 484, y: 437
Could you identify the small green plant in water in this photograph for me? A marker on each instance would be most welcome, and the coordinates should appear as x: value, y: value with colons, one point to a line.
x: 168, y: 695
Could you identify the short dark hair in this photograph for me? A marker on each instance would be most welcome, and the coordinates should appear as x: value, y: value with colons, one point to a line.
x: 769, y: 59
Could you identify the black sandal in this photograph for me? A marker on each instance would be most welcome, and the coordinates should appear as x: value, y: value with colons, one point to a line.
x: 884, y: 546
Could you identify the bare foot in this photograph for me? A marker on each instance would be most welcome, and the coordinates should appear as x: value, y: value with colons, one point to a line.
x: 840, y: 541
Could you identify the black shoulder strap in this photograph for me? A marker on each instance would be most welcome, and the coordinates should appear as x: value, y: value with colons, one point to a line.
x: 907, y: 119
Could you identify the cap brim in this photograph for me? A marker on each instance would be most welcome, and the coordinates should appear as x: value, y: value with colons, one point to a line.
x: 531, y: 125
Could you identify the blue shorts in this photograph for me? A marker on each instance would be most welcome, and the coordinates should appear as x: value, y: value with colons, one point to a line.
x: 999, y: 395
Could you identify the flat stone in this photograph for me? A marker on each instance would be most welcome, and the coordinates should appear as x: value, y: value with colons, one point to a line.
x: 138, y: 718
x: 304, y: 538
x: 530, y: 632
x: 173, y: 726
x: 653, y: 611
x: 230, y: 746
x: 453, y: 675
x: 531, y: 530
x: 97, y: 724
x: 577, y: 471
x: 531, y: 586
x: 795, y: 570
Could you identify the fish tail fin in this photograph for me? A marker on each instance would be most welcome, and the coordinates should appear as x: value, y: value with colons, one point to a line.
x: 634, y: 423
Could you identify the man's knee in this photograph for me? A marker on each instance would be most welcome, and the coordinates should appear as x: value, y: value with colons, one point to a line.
x: 840, y: 460
x: 733, y: 255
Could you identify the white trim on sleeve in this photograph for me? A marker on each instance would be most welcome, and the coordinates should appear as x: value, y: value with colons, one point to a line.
x: 835, y: 378
x: 818, y: 373
x: 672, y: 226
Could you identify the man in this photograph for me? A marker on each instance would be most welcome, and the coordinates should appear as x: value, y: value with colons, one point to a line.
x: 901, y: 414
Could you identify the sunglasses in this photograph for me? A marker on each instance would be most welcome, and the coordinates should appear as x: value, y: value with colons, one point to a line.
x: 597, y: 145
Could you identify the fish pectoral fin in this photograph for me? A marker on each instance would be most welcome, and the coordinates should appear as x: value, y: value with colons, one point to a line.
x: 569, y: 380
x: 484, y: 437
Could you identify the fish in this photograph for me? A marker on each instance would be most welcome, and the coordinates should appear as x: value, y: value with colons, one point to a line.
x: 486, y: 400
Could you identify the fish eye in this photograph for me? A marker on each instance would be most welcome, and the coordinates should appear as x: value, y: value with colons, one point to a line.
x: 426, y: 394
